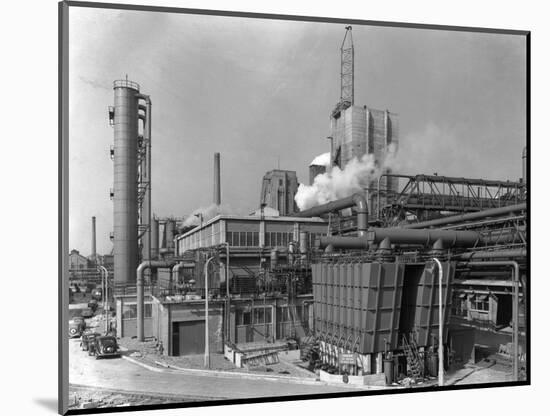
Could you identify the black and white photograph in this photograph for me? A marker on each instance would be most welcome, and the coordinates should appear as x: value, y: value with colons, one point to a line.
x: 266, y: 207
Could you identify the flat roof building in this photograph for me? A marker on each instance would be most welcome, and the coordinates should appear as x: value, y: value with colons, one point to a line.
x: 242, y: 231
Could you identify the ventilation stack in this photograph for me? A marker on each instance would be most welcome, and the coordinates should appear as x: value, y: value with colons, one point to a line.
x: 524, y: 164
x: 94, y: 253
x: 217, y: 184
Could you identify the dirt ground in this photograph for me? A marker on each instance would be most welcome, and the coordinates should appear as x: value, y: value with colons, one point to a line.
x: 85, y: 397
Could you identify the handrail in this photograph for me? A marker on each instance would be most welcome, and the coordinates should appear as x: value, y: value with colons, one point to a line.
x: 119, y: 83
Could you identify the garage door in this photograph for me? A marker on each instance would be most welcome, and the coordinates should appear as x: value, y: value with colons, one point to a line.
x: 188, y: 337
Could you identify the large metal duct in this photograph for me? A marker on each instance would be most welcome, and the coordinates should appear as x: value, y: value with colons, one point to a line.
x: 358, y: 200
x: 140, y: 301
x: 494, y: 254
x: 494, y: 212
x: 217, y: 184
x: 350, y: 243
x: 125, y: 203
x: 448, y: 238
x: 399, y: 236
x: 94, y: 253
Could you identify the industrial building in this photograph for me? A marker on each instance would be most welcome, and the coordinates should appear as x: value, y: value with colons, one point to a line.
x: 78, y: 261
x: 278, y: 190
x: 395, y: 273
x: 359, y: 130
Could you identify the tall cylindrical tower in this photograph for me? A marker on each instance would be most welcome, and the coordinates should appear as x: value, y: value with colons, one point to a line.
x: 94, y: 253
x: 125, y: 196
x: 169, y: 231
x: 217, y: 184
x: 524, y: 164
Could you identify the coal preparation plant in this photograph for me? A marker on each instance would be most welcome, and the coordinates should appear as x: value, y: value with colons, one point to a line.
x: 408, y: 277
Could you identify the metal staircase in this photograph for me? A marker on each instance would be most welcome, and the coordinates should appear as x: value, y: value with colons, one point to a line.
x: 415, y: 367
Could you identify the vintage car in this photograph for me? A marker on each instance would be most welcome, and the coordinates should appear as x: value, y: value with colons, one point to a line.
x: 76, y: 326
x: 88, y: 337
x: 104, y: 346
x: 96, y: 294
x: 92, y: 304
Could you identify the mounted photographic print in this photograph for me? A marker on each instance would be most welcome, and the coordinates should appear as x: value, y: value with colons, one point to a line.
x: 259, y: 207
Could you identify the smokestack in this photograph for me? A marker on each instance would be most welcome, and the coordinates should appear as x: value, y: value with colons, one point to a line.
x: 94, y: 254
x: 524, y: 160
x: 217, y: 186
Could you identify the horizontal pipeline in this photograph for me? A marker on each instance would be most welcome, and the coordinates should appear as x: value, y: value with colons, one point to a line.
x: 494, y: 212
x: 497, y: 254
x: 401, y: 236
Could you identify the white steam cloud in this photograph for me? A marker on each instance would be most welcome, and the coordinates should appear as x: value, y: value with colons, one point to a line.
x: 321, y: 160
x: 208, y: 213
x: 340, y: 183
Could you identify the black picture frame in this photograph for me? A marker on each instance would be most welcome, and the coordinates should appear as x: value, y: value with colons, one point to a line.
x: 64, y: 174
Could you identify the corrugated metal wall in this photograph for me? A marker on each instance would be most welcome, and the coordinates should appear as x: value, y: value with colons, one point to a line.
x: 359, y: 304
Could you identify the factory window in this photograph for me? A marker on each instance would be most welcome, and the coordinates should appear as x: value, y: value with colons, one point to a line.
x: 261, y: 314
x: 480, y: 303
x: 277, y: 239
x: 459, y: 307
x: 303, y: 312
x: 242, y: 238
x: 283, y: 314
x: 280, y: 182
x: 129, y: 311
x: 285, y: 239
x: 243, y: 318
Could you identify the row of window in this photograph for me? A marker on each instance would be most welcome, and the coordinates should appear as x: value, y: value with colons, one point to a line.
x: 129, y: 311
x: 261, y: 315
x: 301, y: 313
x: 479, y: 305
x: 272, y: 239
x: 475, y: 302
x: 243, y: 238
x: 256, y: 316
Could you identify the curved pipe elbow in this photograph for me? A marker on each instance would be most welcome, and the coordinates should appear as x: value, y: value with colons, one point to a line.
x: 147, y: 98
x: 362, y: 213
x: 360, y: 202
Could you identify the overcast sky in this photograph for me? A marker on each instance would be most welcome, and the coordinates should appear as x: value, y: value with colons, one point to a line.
x: 259, y: 90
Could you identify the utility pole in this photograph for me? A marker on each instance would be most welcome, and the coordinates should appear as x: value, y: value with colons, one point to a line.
x: 206, y: 338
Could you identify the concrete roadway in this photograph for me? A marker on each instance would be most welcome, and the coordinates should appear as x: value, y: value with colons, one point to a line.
x: 117, y: 373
